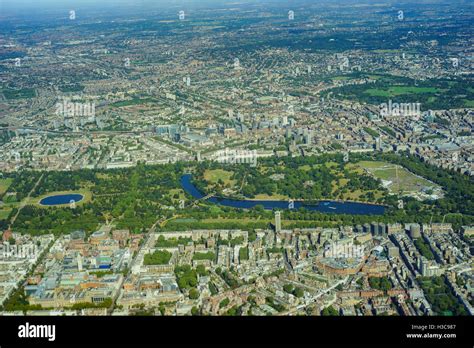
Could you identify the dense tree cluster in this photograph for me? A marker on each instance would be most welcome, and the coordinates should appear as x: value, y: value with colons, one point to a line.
x: 329, y: 311
x: 229, y: 278
x: 440, y: 296
x: 186, y: 276
x: 432, y: 94
x: 291, y: 289
x: 161, y: 242
x: 424, y: 248
x: 23, y: 183
x: 159, y: 257
x: 380, y: 283
x: 304, y: 178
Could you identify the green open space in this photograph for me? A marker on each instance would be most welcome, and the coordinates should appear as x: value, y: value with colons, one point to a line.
x: 283, y: 180
x: 163, y: 242
x: 4, y: 212
x: 204, y: 256
x: 159, y: 257
x: 216, y: 175
x: 432, y: 94
x: 399, y: 90
x: 406, y: 182
x: 442, y: 299
x: 5, y: 184
x: 136, y: 198
x: 23, y: 93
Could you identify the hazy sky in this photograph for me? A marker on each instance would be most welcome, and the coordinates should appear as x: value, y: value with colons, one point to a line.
x: 98, y: 3
x: 50, y: 5
x: 31, y: 6
x: 68, y: 3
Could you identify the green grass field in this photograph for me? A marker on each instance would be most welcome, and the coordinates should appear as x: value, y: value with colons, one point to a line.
x: 213, y: 176
x: 179, y: 192
x: 275, y: 197
x: 4, y: 213
x: 400, y: 90
x: 408, y: 181
x: 469, y: 103
x: 4, y: 185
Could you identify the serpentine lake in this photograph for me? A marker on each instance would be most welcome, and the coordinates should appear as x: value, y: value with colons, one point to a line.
x: 352, y: 208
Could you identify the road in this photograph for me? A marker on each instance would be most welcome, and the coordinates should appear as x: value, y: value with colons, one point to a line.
x: 150, y: 232
x: 26, y: 200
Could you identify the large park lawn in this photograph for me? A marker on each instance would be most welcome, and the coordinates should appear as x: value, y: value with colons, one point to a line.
x: 400, y: 90
x: 5, y: 184
x: 4, y: 213
x: 214, y: 175
x: 407, y: 181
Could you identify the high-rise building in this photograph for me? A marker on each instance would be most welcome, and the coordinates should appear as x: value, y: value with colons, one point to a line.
x: 415, y: 231
x: 378, y: 144
x: 79, y: 262
x: 277, y: 221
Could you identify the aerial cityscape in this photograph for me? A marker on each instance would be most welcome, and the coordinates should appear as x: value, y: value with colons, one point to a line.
x: 227, y: 158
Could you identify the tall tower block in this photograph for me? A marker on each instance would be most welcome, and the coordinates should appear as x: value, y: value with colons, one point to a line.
x: 277, y: 221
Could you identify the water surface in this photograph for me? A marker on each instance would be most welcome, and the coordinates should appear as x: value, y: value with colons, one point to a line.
x: 325, y: 206
x: 62, y: 199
